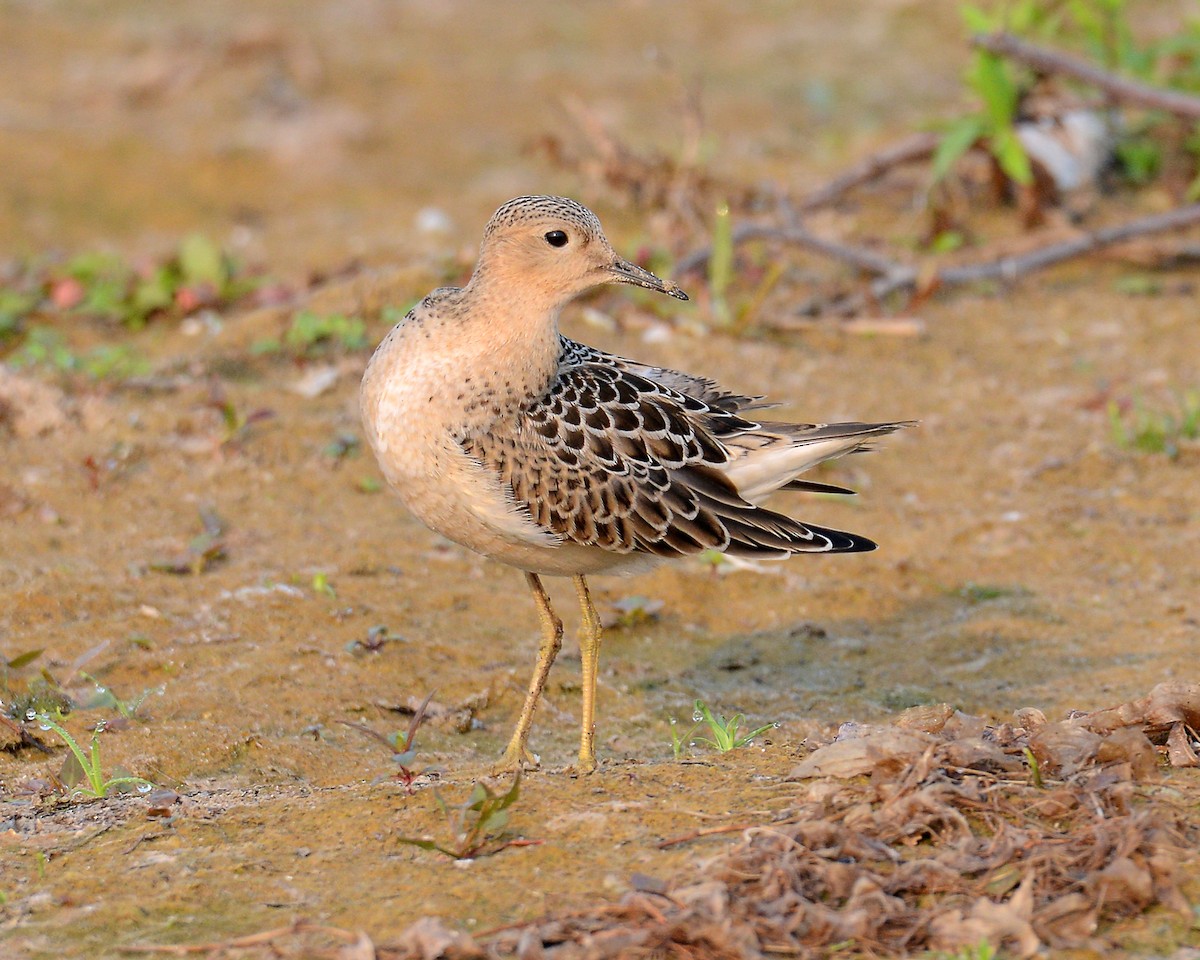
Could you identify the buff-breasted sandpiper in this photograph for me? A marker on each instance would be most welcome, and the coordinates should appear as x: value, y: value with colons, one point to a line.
x: 505, y: 436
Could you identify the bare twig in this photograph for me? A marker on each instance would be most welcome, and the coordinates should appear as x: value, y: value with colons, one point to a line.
x: 893, y: 276
x: 1010, y: 268
x: 866, y: 326
x: 23, y: 736
x: 859, y: 257
x: 1120, y: 88
x: 251, y: 940
x: 706, y: 832
x: 919, y: 146
x: 1013, y: 267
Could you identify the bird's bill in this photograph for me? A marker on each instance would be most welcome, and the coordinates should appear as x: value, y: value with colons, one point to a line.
x: 625, y: 272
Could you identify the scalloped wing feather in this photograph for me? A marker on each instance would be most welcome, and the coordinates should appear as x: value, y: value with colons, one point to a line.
x: 618, y: 456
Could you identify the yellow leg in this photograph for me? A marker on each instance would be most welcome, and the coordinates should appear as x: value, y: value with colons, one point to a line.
x: 517, y: 754
x: 589, y: 651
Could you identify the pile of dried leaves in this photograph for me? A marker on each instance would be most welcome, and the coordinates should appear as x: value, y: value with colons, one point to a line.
x: 938, y: 831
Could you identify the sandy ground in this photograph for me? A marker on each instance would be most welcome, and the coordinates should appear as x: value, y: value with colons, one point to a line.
x: 1027, y: 559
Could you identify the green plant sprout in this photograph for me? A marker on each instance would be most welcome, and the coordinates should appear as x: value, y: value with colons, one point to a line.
x: 1156, y: 431
x: 313, y: 333
x: 981, y: 951
x: 720, y: 265
x: 990, y: 78
x: 81, y: 767
x: 1035, y: 768
x: 725, y: 735
x: 104, y: 697
x: 46, y: 348
x: 402, y: 744
x: 477, y: 826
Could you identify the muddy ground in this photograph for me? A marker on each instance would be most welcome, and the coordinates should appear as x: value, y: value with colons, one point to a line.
x: 1027, y: 558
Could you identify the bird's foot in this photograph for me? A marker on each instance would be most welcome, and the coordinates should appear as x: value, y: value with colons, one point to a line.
x: 584, y: 765
x: 517, y: 757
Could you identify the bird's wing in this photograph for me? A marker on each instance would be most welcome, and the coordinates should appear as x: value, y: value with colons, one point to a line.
x: 613, y: 459
x: 707, y: 391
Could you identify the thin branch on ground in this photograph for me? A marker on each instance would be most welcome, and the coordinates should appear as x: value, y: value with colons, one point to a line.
x: 893, y: 276
x: 1011, y: 268
x: 858, y: 257
x: 23, y: 737
x: 1119, y: 88
x: 919, y: 146
x: 704, y: 832
x: 863, y: 326
x: 250, y: 940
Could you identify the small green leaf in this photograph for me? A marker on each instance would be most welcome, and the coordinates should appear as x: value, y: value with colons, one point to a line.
x: 72, y: 773
x: 989, y: 78
x: 200, y: 261
x: 24, y: 659
x: 977, y: 20
x: 1011, y: 155
x: 947, y: 241
x: 720, y: 263
x: 428, y: 845
x: 956, y: 141
x: 156, y: 292
x: 1193, y: 190
x: 1138, y: 285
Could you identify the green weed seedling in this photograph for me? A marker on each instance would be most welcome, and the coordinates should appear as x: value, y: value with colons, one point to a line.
x: 198, y: 274
x: 402, y: 745
x: 991, y: 79
x: 1156, y: 431
x: 477, y: 826
x: 204, y: 551
x: 81, y: 773
x: 981, y: 951
x: 45, y: 348
x: 680, y: 744
x: 725, y: 735
x: 720, y: 265
x: 105, y: 698
x: 311, y: 334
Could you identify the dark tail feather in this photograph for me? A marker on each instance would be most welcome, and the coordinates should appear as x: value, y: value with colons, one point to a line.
x: 812, y: 486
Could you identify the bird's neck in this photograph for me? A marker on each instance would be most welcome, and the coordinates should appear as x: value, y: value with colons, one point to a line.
x: 516, y: 330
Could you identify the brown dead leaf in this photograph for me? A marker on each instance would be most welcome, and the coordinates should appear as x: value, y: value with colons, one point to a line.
x: 1168, y: 703
x: 1180, y: 750
x: 926, y: 718
x: 1002, y: 923
x: 975, y: 753
x: 864, y: 754
x: 1124, y: 882
x: 1064, y: 748
x: 361, y: 949
x: 1171, y: 702
x: 1029, y: 717
x: 1067, y: 921
x: 964, y: 725
x: 1129, y: 745
x: 430, y: 939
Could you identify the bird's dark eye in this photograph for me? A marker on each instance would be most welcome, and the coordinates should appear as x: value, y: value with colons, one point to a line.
x: 557, y: 238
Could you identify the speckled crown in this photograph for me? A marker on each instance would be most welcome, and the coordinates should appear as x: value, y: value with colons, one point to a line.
x: 523, y: 209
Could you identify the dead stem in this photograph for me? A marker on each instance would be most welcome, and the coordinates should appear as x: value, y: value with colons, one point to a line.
x: 1119, y: 88
x: 918, y: 146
